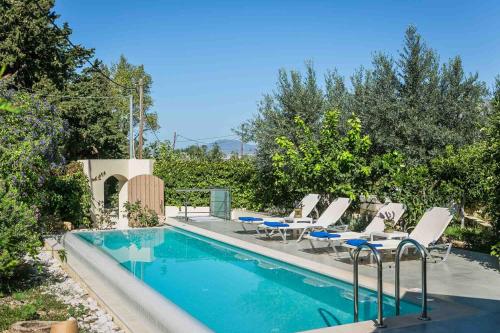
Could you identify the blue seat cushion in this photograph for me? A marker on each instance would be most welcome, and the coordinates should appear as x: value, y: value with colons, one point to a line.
x: 358, y: 242
x: 323, y: 234
x: 250, y: 219
x: 276, y: 224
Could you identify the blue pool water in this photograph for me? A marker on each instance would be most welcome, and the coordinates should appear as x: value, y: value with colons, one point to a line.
x: 233, y: 290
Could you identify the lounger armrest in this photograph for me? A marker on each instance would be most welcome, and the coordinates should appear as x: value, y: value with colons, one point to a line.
x: 302, y: 220
x: 388, y: 235
x: 341, y: 228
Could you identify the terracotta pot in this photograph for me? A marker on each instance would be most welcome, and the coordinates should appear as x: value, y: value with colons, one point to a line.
x: 68, y: 326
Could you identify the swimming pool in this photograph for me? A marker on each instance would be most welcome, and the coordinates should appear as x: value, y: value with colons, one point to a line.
x: 232, y: 290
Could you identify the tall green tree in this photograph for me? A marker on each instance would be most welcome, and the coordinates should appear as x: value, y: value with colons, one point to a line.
x: 96, y: 129
x: 493, y: 158
x: 128, y: 76
x: 32, y: 48
x: 415, y: 106
x: 296, y: 95
x: 332, y: 164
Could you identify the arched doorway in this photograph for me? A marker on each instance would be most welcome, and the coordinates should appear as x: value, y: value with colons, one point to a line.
x: 111, y: 201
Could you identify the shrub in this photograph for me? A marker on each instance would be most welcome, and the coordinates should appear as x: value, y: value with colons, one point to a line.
x: 140, y: 217
x: 30, y: 139
x: 474, y: 238
x: 69, y: 196
x: 182, y: 171
x: 18, y: 235
x: 495, y: 250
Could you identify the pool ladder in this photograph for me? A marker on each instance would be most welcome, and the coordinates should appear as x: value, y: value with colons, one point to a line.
x: 423, y: 258
x: 376, y: 254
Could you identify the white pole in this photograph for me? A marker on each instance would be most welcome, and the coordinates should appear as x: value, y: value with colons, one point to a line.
x: 131, y: 127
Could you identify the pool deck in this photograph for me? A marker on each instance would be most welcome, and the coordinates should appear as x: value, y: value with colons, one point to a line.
x: 469, y: 282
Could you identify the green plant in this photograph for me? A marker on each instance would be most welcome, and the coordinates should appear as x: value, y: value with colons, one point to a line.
x: 18, y: 235
x: 474, y: 238
x: 70, y: 196
x: 330, y: 163
x: 180, y: 170
x: 140, y: 217
x: 495, y: 250
x: 63, y: 256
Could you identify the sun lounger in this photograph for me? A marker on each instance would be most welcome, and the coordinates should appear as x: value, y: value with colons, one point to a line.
x: 329, y: 217
x: 308, y: 203
x: 390, y: 211
x: 427, y: 232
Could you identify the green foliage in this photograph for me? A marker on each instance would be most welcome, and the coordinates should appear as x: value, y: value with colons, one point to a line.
x: 18, y: 235
x: 295, y: 96
x: 180, y: 170
x: 69, y: 196
x: 29, y: 159
x: 332, y: 164
x: 88, y: 105
x: 476, y: 238
x: 141, y: 217
x: 128, y: 75
x: 32, y: 48
x: 495, y: 250
x: 34, y: 303
x: 413, y: 106
x: 492, y: 159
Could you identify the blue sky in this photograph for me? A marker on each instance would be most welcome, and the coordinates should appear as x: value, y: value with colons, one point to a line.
x: 212, y: 61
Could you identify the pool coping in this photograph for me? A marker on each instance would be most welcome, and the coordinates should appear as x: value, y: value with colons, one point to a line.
x: 442, y: 308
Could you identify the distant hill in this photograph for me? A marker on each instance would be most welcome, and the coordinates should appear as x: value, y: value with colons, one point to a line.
x: 229, y: 147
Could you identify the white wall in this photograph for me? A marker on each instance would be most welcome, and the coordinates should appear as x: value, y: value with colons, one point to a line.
x: 123, y: 169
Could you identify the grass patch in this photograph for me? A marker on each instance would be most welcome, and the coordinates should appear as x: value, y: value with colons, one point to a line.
x: 28, y: 299
x: 34, y: 304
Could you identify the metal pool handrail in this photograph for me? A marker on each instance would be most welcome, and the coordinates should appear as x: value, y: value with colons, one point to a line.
x: 186, y: 192
x: 378, y: 258
x: 423, y: 255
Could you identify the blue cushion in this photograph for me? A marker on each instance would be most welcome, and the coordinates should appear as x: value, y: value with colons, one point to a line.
x: 249, y: 219
x: 323, y: 234
x: 358, y: 242
x: 276, y: 224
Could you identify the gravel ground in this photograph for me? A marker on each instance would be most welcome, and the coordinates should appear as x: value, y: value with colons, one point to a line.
x: 94, y: 318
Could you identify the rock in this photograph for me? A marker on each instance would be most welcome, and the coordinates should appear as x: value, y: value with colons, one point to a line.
x: 94, y: 319
x: 32, y: 326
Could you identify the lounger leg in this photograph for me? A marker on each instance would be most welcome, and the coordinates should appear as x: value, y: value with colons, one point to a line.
x: 302, y: 235
x: 448, y: 251
x: 312, y: 245
x: 283, y: 234
x: 332, y: 245
x: 243, y: 226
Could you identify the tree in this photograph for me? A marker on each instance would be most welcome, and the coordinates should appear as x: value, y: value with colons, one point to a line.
x: 413, y: 106
x: 33, y: 48
x: 29, y: 154
x: 332, y: 164
x: 243, y: 132
x: 295, y: 96
x: 492, y: 157
x: 88, y: 104
x: 128, y: 75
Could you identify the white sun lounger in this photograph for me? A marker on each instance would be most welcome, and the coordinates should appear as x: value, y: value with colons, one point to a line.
x: 308, y: 203
x: 329, y: 217
x: 427, y: 232
x: 391, y: 210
